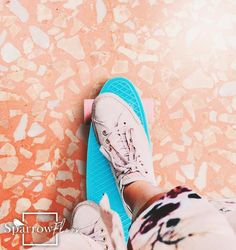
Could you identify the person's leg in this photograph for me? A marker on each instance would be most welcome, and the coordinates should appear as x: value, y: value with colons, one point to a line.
x: 178, y: 219
x: 138, y: 193
x: 181, y: 219
x: 227, y: 207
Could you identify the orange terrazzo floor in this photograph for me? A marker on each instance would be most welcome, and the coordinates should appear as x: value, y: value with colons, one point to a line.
x: 55, y: 53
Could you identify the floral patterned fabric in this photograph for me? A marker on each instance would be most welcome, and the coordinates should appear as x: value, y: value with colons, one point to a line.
x: 182, y: 220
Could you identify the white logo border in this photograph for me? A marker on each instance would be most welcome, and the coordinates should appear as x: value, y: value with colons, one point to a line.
x: 38, y: 244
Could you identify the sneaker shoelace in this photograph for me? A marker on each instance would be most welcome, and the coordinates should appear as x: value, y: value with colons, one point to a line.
x: 94, y: 232
x: 121, y: 151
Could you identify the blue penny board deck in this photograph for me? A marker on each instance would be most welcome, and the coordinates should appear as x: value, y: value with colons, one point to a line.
x: 99, y: 177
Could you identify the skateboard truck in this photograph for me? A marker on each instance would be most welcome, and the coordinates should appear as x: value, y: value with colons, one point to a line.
x: 148, y: 104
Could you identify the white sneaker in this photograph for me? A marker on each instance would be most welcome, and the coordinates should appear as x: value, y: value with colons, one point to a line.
x: 123, y: 141
x: 100, y: 223
x: 87, y: 220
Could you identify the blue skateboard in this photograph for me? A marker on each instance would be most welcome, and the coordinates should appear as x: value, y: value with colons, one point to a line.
x: 99, y: 176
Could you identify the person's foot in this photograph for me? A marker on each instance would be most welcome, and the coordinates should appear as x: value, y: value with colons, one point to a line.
x: 123, y: 141
x: 87, y: 220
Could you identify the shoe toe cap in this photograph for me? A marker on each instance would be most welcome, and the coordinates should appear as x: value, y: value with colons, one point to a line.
x: 106, y: 108
x: 85, y: 215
